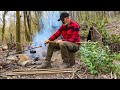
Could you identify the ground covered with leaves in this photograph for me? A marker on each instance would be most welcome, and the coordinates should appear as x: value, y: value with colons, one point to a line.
x: 82, y: 73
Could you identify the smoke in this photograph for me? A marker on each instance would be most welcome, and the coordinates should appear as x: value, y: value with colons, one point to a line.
x: 48, y: 25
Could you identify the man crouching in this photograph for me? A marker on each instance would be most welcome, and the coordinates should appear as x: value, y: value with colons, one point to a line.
x: 69, y: 30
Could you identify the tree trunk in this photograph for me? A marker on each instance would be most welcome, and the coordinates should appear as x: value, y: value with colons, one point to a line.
x: 29, y: 25
x: 3, y: 27
x: 18, y: 46
x: 26, y: 32
x: 37, y: 15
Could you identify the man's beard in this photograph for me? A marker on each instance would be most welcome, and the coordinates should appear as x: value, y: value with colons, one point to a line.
x: 65, y: 24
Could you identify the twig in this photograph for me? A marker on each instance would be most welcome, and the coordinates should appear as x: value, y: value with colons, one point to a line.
x: 99, y: 76
x: 73, y: 75
x: 111, y: 76
x: 77, y: 75
x: 115, y: 76
x: 79, y: 69
x: 3, y: 76
x: 85, y: 71
x: 21, y: 51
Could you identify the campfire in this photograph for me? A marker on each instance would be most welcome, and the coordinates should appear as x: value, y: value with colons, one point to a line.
x: 36, y: 50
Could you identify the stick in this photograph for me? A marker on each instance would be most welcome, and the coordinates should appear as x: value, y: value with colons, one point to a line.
x: 37, y: 72
x: 73, y: 75
x: 111, y: 75
x: 86, y: 42
x: 42, y: 70
x: 115, y: 76
x: 77, y: 75
x: 77, y: 42
x: 22, y: 51
x: 3, y: 76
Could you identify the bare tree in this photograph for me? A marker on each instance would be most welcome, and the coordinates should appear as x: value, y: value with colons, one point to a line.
x: 26, y: 32
x: 18, y: 46
x: 29, y: 24
x: 4, y: 22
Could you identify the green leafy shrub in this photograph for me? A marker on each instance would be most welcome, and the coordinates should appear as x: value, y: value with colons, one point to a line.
x: 115, y: 38
x: 116, y: 62
x: 96, y: 57
x: 118, y: 56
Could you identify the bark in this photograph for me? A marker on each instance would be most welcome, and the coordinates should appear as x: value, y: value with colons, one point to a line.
x: 18, y: 47
x: 3, y: 27
x: 29, y: 24
x: 26, y: 32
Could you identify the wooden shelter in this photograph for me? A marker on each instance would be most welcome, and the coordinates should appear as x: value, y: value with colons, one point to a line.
x: 94, y: 35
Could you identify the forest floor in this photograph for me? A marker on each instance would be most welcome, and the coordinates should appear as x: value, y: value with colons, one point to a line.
x: 56, y: 64
x: 113, y: 28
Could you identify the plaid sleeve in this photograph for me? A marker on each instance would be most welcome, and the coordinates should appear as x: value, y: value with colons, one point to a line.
x: 75, y: 34
x: 56, y: 34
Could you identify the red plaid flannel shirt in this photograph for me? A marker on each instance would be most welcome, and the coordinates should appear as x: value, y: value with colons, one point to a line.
x: 70, y: 33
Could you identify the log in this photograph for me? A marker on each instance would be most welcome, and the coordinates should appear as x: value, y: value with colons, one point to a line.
x: 23, y: 57
x: 26, y: 62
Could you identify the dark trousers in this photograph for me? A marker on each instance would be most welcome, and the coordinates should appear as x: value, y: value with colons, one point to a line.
x: 68, y: 50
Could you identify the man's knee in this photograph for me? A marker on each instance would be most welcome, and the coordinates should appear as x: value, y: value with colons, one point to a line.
x: 51, y: 44
x: 63, y: 44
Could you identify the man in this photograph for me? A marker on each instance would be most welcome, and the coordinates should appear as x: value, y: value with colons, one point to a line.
x: 69, y: 43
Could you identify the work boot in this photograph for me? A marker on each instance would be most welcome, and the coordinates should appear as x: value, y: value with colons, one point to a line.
x: 65, y: 65
x: 72, y: 58
x: 45, y: 64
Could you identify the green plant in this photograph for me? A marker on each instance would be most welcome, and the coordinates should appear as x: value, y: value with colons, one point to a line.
x: 101, y: 28
x: 118, y: 56
x: 84, y: 27
x: 116, y: 64
x: 83, y: 33
x: 96, y: 58
x: 115, y: 38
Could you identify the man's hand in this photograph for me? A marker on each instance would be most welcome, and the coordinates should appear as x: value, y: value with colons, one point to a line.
x: 59, y: 41
x: 46, y: 41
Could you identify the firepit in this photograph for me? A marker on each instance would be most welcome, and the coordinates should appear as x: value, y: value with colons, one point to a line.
x: 32, y: 51
x: 38, y: 53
